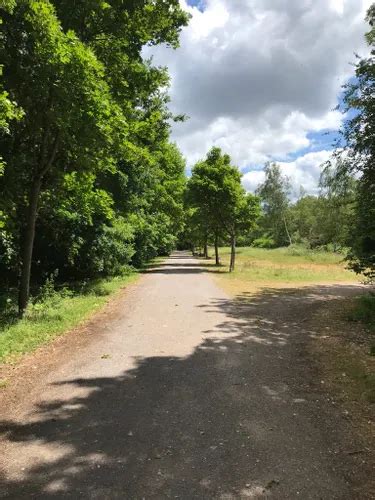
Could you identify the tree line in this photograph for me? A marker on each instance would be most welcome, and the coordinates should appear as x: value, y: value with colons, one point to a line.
x: 90, y: 181
x: 219, y: 211
x: 341, y: 218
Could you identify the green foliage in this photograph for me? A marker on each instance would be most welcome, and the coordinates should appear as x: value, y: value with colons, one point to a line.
x: 264, y: 242
x: 8, y: 111
x: 275, y: 203
x: 112, y: 251
x: 91, y: 183
x: 221, y: 206
x: 358, y: 157
x: 311, y: 221
x: 324, y: 220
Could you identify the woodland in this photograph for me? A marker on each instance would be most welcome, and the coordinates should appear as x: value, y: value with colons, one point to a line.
x: 92, y: 185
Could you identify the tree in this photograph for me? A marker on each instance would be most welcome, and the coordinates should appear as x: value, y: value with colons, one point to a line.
x: 321, y: 221
x: 91, y: 106
x: 274, y: 197
x: 215, y: 189
x: 243, y: 218
x: 355, y: 155
x: 69, y: 115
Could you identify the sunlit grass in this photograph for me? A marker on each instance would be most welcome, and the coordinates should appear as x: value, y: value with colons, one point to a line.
x: 282, y: 267
x: 47, y: 320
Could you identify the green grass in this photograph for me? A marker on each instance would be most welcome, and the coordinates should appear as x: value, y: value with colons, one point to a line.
x: 286, y: 265
x: 364, y: 310
x: 353, y: 372
x: 53, y: 316
x: 287, y: 255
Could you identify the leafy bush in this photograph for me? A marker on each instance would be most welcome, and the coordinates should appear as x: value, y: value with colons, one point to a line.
x: 245, y: 240
x: 264, y: 242
x: 113, y: 249
x: 153, y: 237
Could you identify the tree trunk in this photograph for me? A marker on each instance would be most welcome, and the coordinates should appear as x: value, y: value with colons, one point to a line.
x: 286, y: 230
x: 27, y: 246
x: 217, y: 258
x: 232, y: 253
x: 45, y: 162
x: 205, y: 248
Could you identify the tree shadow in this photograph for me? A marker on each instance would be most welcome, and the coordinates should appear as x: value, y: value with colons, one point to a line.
x: 241, y: 417
x: 182, y: 264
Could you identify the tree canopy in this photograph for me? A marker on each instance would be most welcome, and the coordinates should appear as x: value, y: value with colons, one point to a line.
x: 355, y: 155
x: 85, y: 136
x: 223, y: 207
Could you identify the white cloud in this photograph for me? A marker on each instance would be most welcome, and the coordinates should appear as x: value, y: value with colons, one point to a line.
x: 302, y: 172
x: 257, y: 76
x: 251, y: 180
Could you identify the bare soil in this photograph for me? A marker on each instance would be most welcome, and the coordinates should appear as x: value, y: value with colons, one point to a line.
x: 177, y: 390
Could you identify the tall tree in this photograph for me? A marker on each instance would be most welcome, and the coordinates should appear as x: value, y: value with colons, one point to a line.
x: 273, y: 193
x: 358, y: 159
x: 90, y: 102
x: 69, y: 115
x: 215, y: 189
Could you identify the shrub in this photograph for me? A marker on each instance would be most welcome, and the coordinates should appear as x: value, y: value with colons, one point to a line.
x: 113, y: 249
x: 264, y: 242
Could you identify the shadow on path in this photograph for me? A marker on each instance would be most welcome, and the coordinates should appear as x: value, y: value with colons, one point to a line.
x: 242, y: 417
x: 183, y: 263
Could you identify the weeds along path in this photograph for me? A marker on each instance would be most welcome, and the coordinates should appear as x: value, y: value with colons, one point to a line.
x: 181, y: 392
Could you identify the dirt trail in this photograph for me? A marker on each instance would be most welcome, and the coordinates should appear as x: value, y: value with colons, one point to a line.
x: 182, y: 393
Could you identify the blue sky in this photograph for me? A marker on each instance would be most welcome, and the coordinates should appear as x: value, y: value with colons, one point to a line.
x: 200, y: 4
x: 261, y: 79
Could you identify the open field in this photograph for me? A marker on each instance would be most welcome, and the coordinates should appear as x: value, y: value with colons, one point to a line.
x: 282, y: 268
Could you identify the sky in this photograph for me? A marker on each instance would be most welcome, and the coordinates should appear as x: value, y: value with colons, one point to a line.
x: 261, y: 79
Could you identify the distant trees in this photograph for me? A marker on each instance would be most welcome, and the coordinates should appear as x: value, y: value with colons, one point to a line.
x: 221, y: 206
x: 322, y: 221
x: 274, y: 194
x: 314, y: 221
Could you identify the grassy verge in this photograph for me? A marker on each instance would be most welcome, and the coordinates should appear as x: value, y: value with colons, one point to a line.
x: 282, y: 267
x: 356, y: 372
x: 364, y: 311
x: 346, y: 356
x: 53, y: 315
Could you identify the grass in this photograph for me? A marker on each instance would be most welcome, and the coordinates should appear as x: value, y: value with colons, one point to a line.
x: 257, y: 268
x: 52, y: 316
x: 349, y: 369
x: 283, y: 267
x: 364, y: 310
x: 3, y: 383
x: 362, y: 379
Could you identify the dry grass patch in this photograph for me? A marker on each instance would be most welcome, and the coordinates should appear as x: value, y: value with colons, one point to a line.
x: 281, y: 268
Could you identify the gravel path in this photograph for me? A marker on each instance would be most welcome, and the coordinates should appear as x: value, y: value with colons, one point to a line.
x: 181, y: 392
